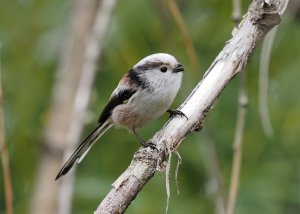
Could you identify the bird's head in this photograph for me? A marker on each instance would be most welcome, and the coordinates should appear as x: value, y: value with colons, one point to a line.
x: 160, y: 61
x: 159, y: 70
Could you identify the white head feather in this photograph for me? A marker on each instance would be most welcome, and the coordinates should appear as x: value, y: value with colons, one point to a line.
x: 158, y: 57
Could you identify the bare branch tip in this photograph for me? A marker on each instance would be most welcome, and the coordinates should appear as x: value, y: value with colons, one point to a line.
x: 267, y: 13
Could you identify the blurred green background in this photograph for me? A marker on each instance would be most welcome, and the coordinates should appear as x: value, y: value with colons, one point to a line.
x: 31, y: 35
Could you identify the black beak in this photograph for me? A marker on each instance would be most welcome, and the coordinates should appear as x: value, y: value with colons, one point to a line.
x: 178, y: 68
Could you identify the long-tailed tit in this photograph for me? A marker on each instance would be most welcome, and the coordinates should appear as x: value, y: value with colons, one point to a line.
x: 142, y: 95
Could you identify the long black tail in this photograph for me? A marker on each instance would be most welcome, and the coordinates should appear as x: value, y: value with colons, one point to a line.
x: 83, y: 148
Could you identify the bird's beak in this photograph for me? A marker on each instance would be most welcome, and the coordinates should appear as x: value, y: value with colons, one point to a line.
x: 178, y: 68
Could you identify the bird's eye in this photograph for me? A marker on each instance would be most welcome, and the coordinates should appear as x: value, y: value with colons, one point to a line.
x: 163, y: 69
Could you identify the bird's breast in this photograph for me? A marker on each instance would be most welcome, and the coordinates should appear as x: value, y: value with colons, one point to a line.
x: 147, y: 103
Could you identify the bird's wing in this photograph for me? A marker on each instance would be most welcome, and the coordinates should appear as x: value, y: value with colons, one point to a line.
x: 119, y: 96
x: 128, y: 85
x: 116, y: 99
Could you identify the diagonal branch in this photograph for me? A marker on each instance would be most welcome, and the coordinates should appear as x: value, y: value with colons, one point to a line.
x: 262, y: 16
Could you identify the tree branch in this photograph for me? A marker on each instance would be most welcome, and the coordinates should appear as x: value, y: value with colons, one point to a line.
x: 238, y: 146
x: 93, y: 49
x: 72, y: 89
x: 236, y: 14
x: 261, y: 17
x: 263, y: 85
x: 8, y: 191
x: 238, y: 137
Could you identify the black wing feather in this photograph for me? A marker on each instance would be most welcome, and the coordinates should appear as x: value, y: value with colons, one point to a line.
x: 116, y: 100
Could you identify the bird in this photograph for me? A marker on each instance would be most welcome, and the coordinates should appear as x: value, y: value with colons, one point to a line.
x: 143, y: 94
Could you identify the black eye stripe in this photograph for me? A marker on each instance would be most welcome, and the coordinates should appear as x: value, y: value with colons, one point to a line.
x: 134, y: 75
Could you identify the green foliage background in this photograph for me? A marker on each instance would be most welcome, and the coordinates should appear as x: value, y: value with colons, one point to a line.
x: 32, y: 33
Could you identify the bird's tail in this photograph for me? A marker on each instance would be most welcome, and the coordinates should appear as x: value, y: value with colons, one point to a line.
x: 84, y: 147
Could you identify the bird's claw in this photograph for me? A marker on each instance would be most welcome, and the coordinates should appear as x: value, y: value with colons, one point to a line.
x: 176, y: 112
x: 151, y: 145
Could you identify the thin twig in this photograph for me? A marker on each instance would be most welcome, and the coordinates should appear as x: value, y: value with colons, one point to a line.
x: 179, y: 161
x: 263, y: 85
x: 4, y: 153
x: 239, y: 130
x: 190, y: 49
x: 236, y: 14
x: 237, y: 146
x: 168, y: 168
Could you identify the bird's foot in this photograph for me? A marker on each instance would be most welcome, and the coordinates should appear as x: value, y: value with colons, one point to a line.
x: 176, y: 112
x: 151, y: 145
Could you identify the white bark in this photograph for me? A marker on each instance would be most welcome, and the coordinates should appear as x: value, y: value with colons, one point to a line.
x: 261, y: 17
